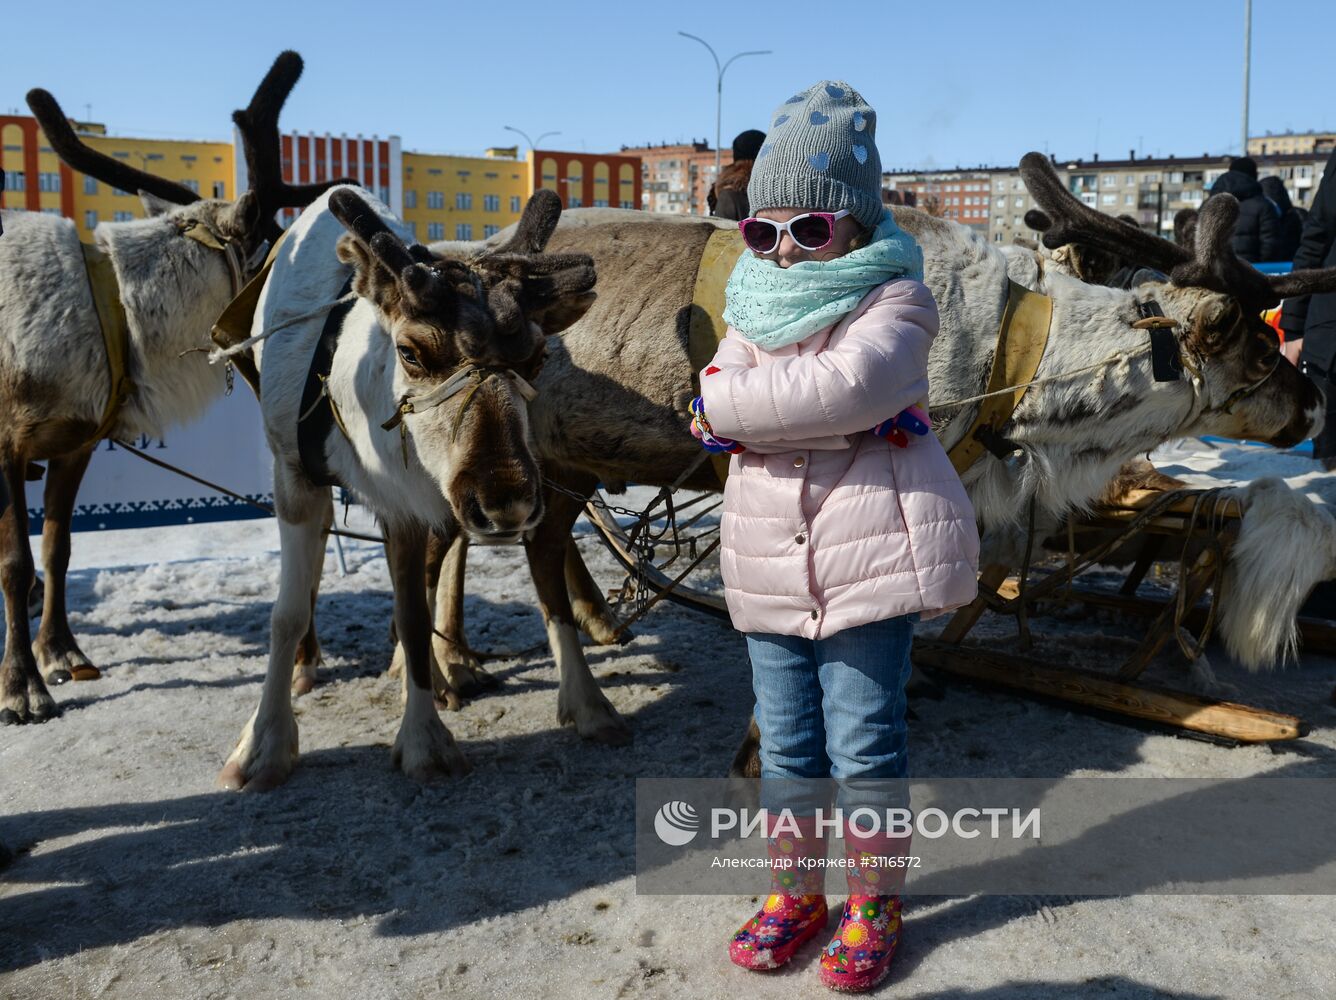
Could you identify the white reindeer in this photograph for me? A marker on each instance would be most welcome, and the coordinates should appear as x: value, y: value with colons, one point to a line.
x: 175, y: 272
x: 425, y: 373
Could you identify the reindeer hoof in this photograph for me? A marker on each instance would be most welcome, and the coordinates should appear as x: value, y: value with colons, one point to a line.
x: 428, y: 753
x: 263, y: 759
x: 469, y: 679
x: 301, y: 684
x: 58, y: 677
x: 9, y: 717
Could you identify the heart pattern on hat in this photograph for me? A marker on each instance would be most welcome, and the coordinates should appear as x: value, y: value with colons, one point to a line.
x: 860, y: 153
x: 764, y: 150
x: 835, y: 92
x: 819, y: 119
x: 796, y: 99
x: 780, y: 121
x: 819, y: 161
x: 860, y: 122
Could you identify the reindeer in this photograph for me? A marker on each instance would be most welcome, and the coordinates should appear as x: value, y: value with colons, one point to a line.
x: 425, y: 367
x: 613, y: 398
x: 175, y: 272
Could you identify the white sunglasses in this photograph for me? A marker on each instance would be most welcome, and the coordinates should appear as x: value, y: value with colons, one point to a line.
x: 811, y: 231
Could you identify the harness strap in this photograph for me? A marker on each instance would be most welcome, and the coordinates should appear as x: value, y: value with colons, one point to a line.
x: 318, y: 413
x: 706, y: 325
x: 233, y: 325
x: 1166, y: 361
x: 115, y: 326
x: 1022, y: 338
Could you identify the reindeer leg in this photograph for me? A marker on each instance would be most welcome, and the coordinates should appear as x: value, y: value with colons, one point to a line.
x: 267, y: 750
x: 58, y: 654
x: 445, y: 589
x: 588, y: 603
x: 446, y: 697
x: 579, y: 700
x: 424, y: 749
x: 747, y: 761
x: 308, y: 650
x: 23, y: 695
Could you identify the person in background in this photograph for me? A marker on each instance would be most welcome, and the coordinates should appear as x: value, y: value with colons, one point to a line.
x: 728, y: 195
x: 1291, y: 222
x: 1309, y: 321
x: 1258, y: 230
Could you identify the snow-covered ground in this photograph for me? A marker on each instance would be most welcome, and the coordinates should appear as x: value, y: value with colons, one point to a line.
x: 135, y: 878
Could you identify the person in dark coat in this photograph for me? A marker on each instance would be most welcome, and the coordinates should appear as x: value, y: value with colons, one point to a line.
x: 1309, y: 321
x: 728, y: 195
x: 1257, y: 234
x: 1291, y: 221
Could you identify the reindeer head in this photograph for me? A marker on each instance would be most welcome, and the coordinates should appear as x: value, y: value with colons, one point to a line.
x: 1244, y: 388
x: 240, y: 227
x: 469, y: 338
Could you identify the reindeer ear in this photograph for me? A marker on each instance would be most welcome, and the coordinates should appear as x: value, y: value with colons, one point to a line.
x: 153, y: 205
x: 242, y: 216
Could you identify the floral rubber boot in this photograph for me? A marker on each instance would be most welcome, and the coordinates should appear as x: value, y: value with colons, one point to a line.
x: 794, y: 912
x: 859, y: 956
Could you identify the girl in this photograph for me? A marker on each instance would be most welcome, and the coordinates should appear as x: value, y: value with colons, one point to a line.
x: 840, y: 530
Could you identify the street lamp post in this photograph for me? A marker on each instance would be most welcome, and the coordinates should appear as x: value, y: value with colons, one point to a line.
x: 525, y: 135
x: 719, y: 101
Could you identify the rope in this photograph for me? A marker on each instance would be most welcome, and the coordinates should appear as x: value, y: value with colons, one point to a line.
x: 225, y: 353
x: 1111, y: 359
x: 233, y: 494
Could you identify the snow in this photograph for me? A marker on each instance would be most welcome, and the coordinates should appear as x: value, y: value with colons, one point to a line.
x: 135, y: 878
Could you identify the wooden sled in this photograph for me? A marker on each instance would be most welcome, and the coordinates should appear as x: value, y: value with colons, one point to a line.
x: 1157, y: 524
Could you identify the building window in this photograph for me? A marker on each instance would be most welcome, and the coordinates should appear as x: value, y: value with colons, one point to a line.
x: 490, y: 231
x: 90, y: 185
x: 575, y: 202
x: 15, y: 181
x: 50, y: 183
x: 514, y: 203
x: 1110, y: 180
x: 1020, y: 202
x: 435, y: 199
x: 412, y: 228
x: 600, y: 202
x: 122, y: 216
x: 627, y: 204
x: 193, y: 185
x: 220, y: 189
x: 435, y: 231
x: 410, y: 199
x: 1128, y: 199
x: 1108, y: 199
x: 90, y: 220
x: 463, y: 202
x: 51, y: 211
x: 491, y: 203
x: 463, y: 230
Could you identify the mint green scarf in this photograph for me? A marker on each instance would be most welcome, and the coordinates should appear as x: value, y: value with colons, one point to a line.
x: 773, y: 306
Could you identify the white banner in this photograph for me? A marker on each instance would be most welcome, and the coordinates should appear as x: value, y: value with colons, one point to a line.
x: 226, y: 446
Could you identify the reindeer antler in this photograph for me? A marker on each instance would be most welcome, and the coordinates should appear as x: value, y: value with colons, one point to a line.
x: 99, y: 166
x: 258, y: 125
x: 1063, y: 218
x: 536, y: 225
x: 1208, y: 262
x: 421, y: 284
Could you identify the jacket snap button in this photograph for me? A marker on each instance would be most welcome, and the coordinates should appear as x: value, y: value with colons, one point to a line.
x: 799, y: 462
x: 816, y: 615
x: 800, y: 538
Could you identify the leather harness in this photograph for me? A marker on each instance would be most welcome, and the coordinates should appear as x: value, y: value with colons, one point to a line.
x: 318, y: 413
x: 114, y: 324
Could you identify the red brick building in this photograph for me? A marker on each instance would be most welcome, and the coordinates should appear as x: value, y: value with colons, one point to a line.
x: 588, y: 180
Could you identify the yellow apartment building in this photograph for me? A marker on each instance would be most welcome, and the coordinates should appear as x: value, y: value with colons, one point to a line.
x: 450, y: 197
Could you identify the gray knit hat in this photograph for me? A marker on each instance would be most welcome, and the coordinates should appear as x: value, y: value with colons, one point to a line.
x: 821, y: 153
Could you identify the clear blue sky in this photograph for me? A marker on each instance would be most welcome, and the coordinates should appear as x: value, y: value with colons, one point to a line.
x: 953, y: 81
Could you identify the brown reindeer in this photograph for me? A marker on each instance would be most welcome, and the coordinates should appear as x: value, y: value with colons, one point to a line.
x: 173, y: 273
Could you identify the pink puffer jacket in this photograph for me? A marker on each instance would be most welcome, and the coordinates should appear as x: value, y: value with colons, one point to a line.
x: 825, y: 525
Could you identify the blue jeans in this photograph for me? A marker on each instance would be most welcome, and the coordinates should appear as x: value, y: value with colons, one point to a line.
x: 834, y: 708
